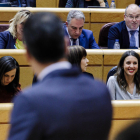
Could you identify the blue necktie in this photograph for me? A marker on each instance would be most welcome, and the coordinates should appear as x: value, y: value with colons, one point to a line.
x: 19, y: 3
x: 74, y: 41
x: 132, y: 39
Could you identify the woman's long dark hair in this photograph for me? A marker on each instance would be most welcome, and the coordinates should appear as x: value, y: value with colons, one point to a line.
x: 76, y: 53
x: 120, y: 71
x: 8, y: 63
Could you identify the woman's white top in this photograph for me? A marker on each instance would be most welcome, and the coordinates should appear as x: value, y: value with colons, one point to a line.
x: 117, y: 93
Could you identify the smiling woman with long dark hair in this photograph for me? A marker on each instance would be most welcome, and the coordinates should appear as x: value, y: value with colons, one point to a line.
x: 125, y: 85
x: 9, y: 78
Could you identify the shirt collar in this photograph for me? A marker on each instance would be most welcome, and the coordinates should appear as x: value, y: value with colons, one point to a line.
x: 128, y: 29
x: 53, y: 67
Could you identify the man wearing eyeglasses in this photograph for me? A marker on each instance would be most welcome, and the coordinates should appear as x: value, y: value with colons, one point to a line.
x: 75, y: 32
x: 126, y: 31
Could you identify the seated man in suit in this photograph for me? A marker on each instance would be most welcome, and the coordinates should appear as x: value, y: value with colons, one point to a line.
x: 75, y: 32
x: 64, y: 104
x: 126, y: 31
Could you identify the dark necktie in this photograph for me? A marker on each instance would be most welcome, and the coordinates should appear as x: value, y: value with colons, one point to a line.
x: 132, y: 39
x: 74, y: 42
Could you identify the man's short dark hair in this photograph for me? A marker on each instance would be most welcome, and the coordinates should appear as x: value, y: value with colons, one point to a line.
x: 44, y: 37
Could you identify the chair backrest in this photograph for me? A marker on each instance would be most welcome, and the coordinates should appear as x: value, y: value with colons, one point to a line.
x: 111, y: 72
x: 62, y: 3
x: 103, y: 35
x: 3, y: 27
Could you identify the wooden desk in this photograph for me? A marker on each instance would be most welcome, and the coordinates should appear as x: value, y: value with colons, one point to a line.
x: 95, y: 64
x: 5, y: 111
x: 124, y: 114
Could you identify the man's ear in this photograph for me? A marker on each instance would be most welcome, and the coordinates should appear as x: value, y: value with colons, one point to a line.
x: 66, y: 23
x: 124, y: 17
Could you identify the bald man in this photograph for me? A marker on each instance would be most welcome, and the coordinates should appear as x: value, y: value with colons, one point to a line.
x: 126, y: 31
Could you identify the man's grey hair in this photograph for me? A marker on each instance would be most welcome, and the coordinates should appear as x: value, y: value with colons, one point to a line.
x: 75, y: 14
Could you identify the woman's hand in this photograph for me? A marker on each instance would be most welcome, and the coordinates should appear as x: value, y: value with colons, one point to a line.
x: 102, y: 3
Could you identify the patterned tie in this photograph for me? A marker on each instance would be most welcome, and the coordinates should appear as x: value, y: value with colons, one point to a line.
x: 74, y: 42
x: 132, y: 39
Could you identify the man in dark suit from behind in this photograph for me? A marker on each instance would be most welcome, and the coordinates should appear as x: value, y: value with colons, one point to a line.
x: 64, y: 104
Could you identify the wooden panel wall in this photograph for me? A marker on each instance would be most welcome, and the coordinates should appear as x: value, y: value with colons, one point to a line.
x: 99, y: 18
x: 95, y: 64
x: 124, y: 114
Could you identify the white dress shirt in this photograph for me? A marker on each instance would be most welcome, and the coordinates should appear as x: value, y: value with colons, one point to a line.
x: 71, y: 39
x: 52, y: 67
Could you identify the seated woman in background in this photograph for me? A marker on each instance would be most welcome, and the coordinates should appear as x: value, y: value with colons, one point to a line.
x: 9, y: 78
x: 12, y: 38
x: 86, y: 3
x: 125, y: 85
x: 77, y: 56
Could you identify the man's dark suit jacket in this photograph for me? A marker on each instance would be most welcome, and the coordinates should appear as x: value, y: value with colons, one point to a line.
x: 6, y: 40
x: 80, y: 3
x: 86, y: 39
x: 119, y: 31
x: 24, y: 3
x: 65, y: 105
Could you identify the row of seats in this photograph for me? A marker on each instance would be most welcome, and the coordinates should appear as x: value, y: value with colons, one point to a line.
x: 100, y: 62
x: 124, y: 114
x: 95, y: 18
x: 103, y: 35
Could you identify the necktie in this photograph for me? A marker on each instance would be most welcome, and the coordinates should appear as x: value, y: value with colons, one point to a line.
x: 19, y: 3
x: 74, y: 42
x: 132, y: 39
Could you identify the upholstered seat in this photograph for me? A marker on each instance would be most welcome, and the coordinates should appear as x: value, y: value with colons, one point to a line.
x: 62, y: 3
x: 3, y: 27
x: 111, y: 72
x: 103, y: 35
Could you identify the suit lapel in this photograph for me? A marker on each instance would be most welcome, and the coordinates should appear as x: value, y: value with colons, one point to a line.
x: 125, y: 36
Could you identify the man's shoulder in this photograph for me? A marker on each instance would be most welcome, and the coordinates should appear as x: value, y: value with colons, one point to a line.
x: 87, y: 31
x: 5, y: 33
x: 119, y: 25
